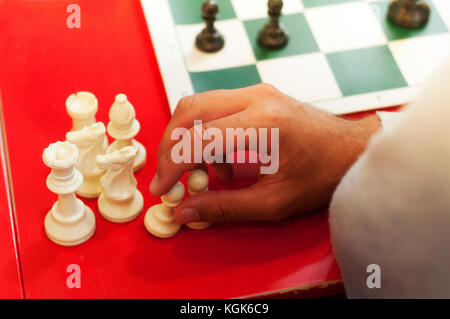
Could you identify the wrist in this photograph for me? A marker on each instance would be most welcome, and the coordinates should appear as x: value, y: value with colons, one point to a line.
x: 356, y: 138
x: 370, y: 125
x: 363, y: 130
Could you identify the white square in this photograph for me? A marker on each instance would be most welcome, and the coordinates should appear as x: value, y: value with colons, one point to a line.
x: 306, y: 77
x: 345, y: 26
x: 236, y: 52
x: 254, y: 9
x: 443, y: 7
x: 418, y: 57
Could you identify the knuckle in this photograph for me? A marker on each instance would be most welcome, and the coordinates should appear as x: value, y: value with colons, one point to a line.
x: 272, y: 114
x: 267, y: 88
x: 184, y: 103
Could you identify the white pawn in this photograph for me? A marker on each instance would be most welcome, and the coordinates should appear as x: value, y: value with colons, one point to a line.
x: 174, y: 196
x: 197, y: 182
x: 120, y: 200
x: 90, y: 142
x: 69, y: 222
x: 159, y: 219
x: 123, y: 127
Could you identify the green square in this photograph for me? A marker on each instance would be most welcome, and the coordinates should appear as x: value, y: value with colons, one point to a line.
x: 317, y: 3
x: 365, y: 70
x: 393, y: 32
x: 190, y: 12
x: 232, y: 78
x: 301, y: 39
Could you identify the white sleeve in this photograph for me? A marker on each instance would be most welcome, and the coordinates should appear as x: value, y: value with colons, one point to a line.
x: 392, y: 208
x: 388, y: 119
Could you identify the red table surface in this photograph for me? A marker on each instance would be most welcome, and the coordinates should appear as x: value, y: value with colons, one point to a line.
x: 10, y: 280
x: 43, y: 62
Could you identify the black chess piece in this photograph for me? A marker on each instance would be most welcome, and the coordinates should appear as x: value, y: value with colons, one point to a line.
x: 209, y: 40
x: 409, y: 13
x: 272, y: 35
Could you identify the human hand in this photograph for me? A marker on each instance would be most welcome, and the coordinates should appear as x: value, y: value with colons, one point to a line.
x: 315, y: 151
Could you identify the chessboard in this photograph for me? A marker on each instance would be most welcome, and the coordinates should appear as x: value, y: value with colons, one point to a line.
x: 343, y: 56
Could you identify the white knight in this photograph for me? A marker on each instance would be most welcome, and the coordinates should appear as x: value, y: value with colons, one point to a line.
x: 120, y: 200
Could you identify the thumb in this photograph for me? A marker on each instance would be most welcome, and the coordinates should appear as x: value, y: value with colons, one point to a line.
x: 244, y: 204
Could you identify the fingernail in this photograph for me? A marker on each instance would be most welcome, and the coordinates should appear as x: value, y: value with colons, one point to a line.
x: 154, y: 184
x: 189, y: 215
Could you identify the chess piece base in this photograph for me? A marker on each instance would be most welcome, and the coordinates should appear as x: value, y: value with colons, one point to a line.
x: 141, y: 155
x: 91, y: 187
x: 160, y: 223
x: 416, y: 16
x: 121, y: 211
x: 198, y: 225
x: 273, y: 38
x: 209, y: 42
x: 70, y: 233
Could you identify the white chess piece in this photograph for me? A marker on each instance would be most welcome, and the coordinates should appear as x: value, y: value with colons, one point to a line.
x: 197, y: 182
x: 70, y: 222
x: 82, y: 107
x: 123, y: 127
x: 90, y: 142
x: 120, y: 200
x: 159, y: 219
x: 174, y: 196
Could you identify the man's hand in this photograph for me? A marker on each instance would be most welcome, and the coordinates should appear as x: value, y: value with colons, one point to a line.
x: 315, y: 151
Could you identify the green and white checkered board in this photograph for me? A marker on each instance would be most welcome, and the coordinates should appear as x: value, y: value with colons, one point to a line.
x: 343, y: 56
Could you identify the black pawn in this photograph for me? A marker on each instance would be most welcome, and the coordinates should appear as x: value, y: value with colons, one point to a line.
x: 272, y: 35
x: 409, y: 13
x: 209, y: 40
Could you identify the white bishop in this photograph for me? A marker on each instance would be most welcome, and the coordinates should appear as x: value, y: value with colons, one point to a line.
x: 123, y: 127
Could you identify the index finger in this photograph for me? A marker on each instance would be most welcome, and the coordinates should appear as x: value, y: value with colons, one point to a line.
x: 170, y: 170
x: 205, y: 106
